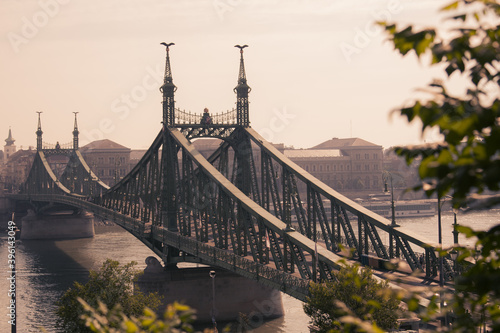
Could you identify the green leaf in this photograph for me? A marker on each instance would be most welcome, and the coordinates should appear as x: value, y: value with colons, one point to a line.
x: 450, y: 6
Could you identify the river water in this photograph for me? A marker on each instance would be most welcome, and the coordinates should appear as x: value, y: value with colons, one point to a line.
x: 46, y: 268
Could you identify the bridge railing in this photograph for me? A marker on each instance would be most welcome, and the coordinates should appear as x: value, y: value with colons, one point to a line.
x: 211, y: 255
x: 188, y: 118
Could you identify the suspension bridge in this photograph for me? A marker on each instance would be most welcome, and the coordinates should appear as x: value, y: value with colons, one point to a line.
x: 232, y: 210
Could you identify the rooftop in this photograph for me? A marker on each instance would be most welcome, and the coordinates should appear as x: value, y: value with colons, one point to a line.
x: 337, y: 143
x: 104, y: 144
x: 298, y: 153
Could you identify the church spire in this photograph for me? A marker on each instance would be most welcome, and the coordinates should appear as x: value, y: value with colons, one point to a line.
x: 242, y: 90
x: 39, y: 145
x: 75, y: 134
x: 168, y: 88
x: 10, y: 140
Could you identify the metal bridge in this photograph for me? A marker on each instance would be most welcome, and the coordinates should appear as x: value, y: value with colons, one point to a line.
x: 247, y: 208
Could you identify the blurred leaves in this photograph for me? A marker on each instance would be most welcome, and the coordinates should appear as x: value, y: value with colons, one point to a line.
x: 467, y: 161
x: 108, y: 287
x: 177, y: 319
x: 354, y: 302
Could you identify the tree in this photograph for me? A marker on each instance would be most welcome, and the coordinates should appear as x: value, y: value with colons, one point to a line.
x: 112, y: 284
x: 177, y: 319
x: 353, y: 300
x: 467, y: 162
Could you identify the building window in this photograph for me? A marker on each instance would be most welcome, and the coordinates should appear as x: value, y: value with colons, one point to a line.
x: 100, y: 160
x: 367, y: 156
x: 367, y: 167
x: 375, y: 166
x: 314, y: 167
x: 320, y: 168
x: 358, y: 156
x: 375, y: 156
x: 111, y: 160
x: 358, y: 167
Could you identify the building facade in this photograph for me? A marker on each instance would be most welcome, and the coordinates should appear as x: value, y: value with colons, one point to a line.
x: 109, y: 160
x: 351, y: 166
x: 16, y: 169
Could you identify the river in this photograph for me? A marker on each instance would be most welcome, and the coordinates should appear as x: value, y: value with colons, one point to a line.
x: 46, y: 268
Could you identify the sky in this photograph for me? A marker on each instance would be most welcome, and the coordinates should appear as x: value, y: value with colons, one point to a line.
x: 318, y: 69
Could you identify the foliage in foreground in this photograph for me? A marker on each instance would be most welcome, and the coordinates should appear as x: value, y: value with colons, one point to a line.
x: 177, y: 319
x: 354, y: 301
x: 467, y: 162
x: 477, y: 296
x: 112, y: 284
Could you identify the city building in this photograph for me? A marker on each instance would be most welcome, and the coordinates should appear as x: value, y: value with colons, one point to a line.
x: 401, y: 175
x: 10, y: 148
x: 109, y: 160
x: 16, y: 169
x: 351, y: 166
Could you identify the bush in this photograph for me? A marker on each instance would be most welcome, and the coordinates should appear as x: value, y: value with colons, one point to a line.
x: 111, y: 285
x: 354, y: 296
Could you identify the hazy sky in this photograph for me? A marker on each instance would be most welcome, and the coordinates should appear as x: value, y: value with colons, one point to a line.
x: 318, y: 69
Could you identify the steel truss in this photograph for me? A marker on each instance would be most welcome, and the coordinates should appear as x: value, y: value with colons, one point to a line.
x: 247, y: 208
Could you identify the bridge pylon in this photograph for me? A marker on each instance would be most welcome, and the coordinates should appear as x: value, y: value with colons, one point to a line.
x: 75, y: 134
x: 39, y: 142
x: 279, y: 225
x: 242, y: 90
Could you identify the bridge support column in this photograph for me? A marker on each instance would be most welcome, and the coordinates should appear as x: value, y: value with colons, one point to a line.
x: 234, y: 294
x: 57, y: 226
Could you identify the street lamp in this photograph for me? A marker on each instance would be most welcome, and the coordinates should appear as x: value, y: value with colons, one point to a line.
x: 455, y: 231
x: 440, y: 241
x: 393, y: 220
x: 212, y: 275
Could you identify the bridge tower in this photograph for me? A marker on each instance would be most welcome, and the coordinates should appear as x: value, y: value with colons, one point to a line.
x: 242, y: 145
x: 242, y: 90
x: 168, y: 88
x: 168, y: 192
x: 39, y: 144
x: 75, y: 134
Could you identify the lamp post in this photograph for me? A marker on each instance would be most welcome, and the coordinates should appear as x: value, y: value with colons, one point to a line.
x: 393, y: 219
x: 212, y: 275
x: 455, y: 231
x: 440, y: 241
